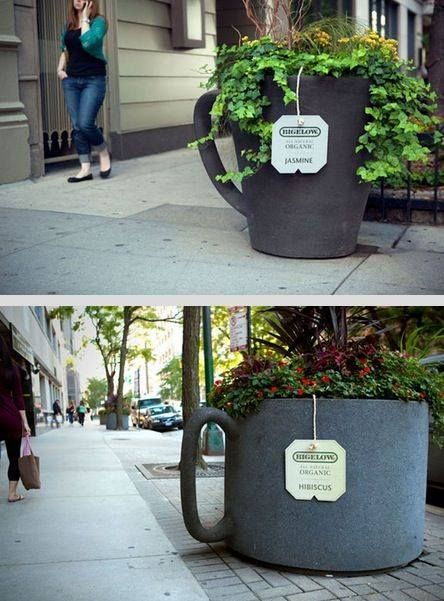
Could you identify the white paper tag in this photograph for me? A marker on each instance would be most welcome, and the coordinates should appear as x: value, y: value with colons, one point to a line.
x: 299, y: 143
x: 316, y: 473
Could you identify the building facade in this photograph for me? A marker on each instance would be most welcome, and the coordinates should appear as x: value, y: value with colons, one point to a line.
x: 156, y: 50
x: 39, y: 348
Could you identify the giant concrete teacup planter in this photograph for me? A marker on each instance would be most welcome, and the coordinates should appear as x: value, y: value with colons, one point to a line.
x: 301, y: 215
x: 377, y: 523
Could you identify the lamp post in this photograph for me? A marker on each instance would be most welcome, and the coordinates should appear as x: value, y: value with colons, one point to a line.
x: 212, y: 438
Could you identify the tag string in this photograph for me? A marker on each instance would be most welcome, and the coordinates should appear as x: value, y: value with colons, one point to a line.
x: 298, y: 87
x: 314, y: 444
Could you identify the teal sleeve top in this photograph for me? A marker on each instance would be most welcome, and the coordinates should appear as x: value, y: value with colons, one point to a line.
x: 92, y: 40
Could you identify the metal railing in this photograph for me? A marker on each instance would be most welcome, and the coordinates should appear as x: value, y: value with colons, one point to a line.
x: 386, y: 198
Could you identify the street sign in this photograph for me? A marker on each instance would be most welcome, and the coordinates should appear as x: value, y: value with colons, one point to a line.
x: 318, y: 472
x: 238, y: 328
x: 299, y: 143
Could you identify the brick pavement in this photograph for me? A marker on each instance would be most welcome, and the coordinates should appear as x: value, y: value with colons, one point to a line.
x: 225, y: 576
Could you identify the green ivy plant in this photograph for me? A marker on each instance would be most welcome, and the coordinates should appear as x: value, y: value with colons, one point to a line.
x: 402, y: 106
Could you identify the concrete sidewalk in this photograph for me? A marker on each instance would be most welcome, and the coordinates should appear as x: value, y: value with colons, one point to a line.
x: 101, y: 530
x: 159, y: 227
x: 87, y: 534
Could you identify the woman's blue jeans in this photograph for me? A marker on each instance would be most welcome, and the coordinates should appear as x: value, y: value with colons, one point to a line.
x: 84, y: 97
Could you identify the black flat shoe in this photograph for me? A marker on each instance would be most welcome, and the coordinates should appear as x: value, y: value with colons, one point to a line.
x: 76, y: 180
x: 105, y: 174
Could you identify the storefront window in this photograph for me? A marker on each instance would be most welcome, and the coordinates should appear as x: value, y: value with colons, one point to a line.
x: 330, y: 8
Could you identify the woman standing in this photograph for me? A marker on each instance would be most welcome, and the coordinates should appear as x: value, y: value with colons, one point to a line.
x: 70, y: 412
x: 82, y: 69
x: 13, y: 422
x: 81, y: 410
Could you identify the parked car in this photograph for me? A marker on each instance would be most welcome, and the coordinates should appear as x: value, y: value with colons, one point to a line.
x: 163, y: 418
x: 142, y: 406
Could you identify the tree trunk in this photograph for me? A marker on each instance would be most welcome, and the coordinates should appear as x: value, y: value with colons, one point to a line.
x: 127, y: 314
x: 435, y: 60
x: 109, y: 383
x: 190, y: 367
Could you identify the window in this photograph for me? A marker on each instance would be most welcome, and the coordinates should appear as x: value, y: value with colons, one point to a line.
x: 392, y: 19
x: 39, y: 313
x: 188, y: 23
x: 411, y: 35
x: 378, y: 20
x: 329, y: 8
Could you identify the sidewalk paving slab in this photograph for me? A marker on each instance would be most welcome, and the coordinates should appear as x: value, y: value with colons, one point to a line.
x: 158, y: 226
x: 87, y: 534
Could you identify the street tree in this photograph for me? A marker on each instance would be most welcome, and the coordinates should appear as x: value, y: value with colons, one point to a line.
x: 190, y: 367
x: 96, y: 392
x: 113, y: 326
x: 171, y: 379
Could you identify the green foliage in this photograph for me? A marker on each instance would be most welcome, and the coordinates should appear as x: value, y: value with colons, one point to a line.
x: 401, y: 105
x: 354, y: 372
x: 96, y: 392
x: 171, y: 380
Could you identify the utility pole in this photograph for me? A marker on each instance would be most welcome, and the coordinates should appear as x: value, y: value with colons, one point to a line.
x: 212, y: 438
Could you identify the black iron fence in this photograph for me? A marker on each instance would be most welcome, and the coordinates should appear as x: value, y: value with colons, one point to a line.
x: 421, y: 192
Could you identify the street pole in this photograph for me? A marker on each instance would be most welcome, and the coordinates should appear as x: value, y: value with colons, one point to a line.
x: 249, y: 330
x: 208, y: 351
x: 212, y: 439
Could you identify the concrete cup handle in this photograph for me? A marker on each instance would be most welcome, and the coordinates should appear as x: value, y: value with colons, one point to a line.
x: 209, y: 154
x: 188, y: 474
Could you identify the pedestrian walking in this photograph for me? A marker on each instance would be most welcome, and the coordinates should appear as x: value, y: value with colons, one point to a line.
x: 82, y: 70
x: 13, y: 421
x: 81, y: 411
x: 70, y: 412
x: 57, y: 415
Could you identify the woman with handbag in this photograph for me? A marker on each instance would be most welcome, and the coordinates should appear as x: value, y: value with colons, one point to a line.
x: 82, y: 70
x: 13, y: 421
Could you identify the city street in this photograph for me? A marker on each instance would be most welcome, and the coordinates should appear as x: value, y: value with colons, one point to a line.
x: 158, y: 226
x: 100, y: 528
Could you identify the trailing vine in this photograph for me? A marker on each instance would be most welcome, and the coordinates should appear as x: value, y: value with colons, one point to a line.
x: 402, y: 106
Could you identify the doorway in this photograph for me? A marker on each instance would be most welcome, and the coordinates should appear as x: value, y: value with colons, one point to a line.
x: 57, y: 132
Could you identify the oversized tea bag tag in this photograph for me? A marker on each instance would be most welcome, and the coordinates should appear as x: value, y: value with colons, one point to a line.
x: 299, y: 143
x: 315, y: 469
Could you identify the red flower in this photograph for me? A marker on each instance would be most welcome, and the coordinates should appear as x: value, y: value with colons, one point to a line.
x: 301, y: 392
x: 362, y: 360
x: 218, y: 382
x: 306, y: 381
x: 422, y: 395
x: 289, y: 387
x: 299, y: 370
x: 274, y: 389
x: 325, y: 379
